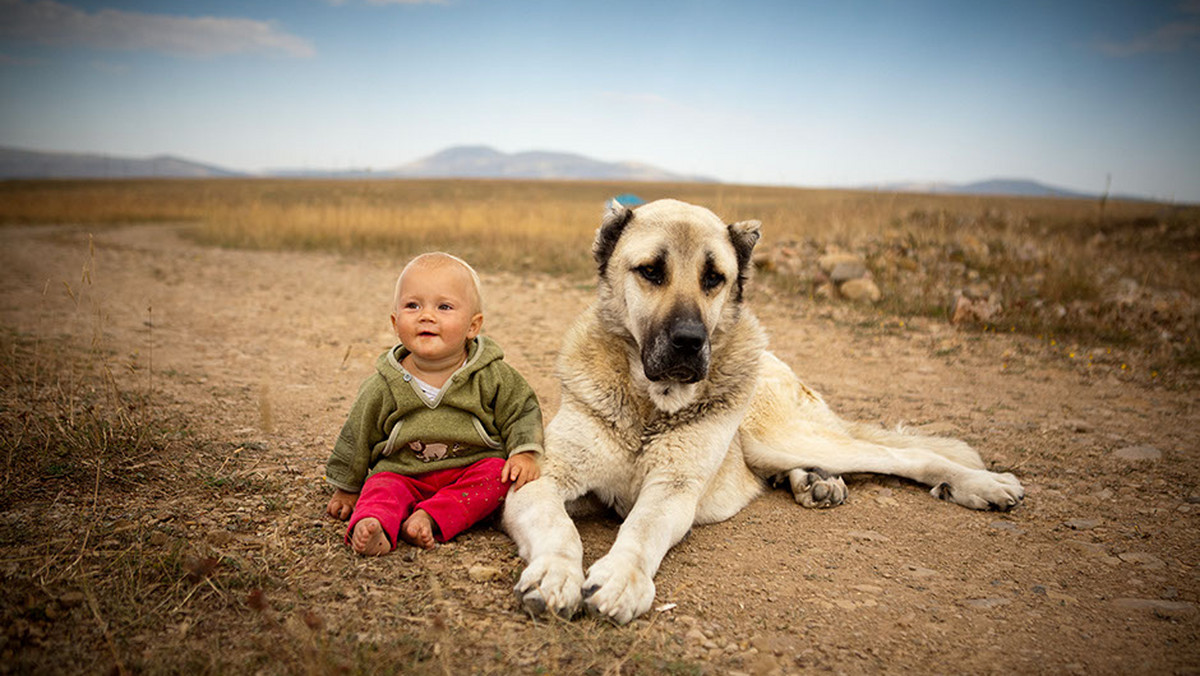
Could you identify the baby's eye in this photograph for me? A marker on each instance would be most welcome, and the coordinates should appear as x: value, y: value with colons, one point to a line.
x: 446, y: 307
x: 411, y: 305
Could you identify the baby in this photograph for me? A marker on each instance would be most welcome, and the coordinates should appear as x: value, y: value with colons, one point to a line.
x: 442, y: 428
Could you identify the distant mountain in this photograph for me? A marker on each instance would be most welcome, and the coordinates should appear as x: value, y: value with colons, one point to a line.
x: 485, y: 162
x: 1008, y: 187
x: 17, y: 163
x: 456, y: 162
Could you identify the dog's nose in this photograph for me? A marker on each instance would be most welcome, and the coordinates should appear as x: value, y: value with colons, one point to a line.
x: 688, y: 337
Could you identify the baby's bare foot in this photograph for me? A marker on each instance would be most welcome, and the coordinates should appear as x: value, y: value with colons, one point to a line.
x: 369, y: 539
x: 418, y: 530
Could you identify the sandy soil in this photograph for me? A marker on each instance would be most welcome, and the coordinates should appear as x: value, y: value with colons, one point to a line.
x: 1096, y: 572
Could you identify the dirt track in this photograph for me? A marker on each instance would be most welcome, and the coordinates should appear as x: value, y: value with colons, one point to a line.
x: 1098, y: 571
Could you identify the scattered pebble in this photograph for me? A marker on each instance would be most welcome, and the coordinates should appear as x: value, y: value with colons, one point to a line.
x: 482, y: 573
x: 1007, y: 526
x: 1169, y: 609
x: 868, y: 536
x: 1143, y: 558
x: 1082, y: 524
x: 917, y: 571
x: 867, y: 588
x: 1137, y: 453
x: 1086, y: 547
x: 984, y: 604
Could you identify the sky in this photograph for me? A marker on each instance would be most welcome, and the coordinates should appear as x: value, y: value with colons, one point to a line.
x: 813, y: 94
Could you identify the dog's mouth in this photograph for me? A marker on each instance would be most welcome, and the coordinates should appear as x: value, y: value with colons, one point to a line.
x: 680, y: 373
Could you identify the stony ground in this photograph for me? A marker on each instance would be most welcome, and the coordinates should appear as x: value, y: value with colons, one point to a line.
x: 213, y: 555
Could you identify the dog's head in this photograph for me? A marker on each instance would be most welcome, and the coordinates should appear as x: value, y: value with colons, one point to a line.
x: 671, y: 276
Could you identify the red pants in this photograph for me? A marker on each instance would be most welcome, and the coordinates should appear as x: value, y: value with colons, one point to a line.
x: 454, y: 498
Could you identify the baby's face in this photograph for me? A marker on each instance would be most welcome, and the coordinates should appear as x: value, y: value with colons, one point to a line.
x: 436, y: 312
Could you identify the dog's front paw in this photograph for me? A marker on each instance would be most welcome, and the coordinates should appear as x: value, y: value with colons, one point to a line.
x: 617, y: 589
x: 551, y: 584
x: 815, y: 488
x: 981, y: 489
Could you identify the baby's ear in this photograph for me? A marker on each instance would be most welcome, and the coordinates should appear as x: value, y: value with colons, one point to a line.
x: 476, y: 326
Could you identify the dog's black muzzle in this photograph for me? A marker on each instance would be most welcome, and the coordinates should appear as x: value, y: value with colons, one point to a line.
x: 678, y: 351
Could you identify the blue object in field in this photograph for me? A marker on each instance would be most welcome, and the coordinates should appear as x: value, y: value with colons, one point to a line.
x: 627, y: 200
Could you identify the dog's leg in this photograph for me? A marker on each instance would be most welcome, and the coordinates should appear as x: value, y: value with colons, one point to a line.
x: 620, y: 585
x: 535, y: 517
x: 967, y: 486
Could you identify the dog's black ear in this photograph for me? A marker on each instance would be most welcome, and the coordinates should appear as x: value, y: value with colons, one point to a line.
x: 615, y: 220
x: 744, y: 235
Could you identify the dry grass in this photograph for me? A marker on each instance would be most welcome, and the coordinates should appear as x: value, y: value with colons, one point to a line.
x: 513, y: 225
x: 1055, y: 261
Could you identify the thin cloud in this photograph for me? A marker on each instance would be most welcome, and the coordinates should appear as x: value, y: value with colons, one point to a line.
x: 53, y: 23
x: 1176, y: 36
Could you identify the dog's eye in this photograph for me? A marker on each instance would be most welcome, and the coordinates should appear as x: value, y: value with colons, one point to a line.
x: 712, y: 280
x: 653, y: 273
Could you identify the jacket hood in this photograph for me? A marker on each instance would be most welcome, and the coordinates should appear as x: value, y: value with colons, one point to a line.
x: 481, y: 351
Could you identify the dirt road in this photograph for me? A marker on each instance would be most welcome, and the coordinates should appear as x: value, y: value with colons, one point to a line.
x: 261, y: 353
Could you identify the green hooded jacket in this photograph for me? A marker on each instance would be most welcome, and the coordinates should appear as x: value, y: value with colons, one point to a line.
x: 485, y: 410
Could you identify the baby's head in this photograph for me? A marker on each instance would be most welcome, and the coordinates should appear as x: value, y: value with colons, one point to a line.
x: 445, y: 286
x: 438, y: 260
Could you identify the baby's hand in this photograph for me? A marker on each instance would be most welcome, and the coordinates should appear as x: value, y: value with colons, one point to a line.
x: 521, y: 469
x: 341, y: 504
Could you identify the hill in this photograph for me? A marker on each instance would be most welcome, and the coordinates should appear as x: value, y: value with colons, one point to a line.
x: 18, y: 163
x: 1009, y: 187
x: 486, y: 162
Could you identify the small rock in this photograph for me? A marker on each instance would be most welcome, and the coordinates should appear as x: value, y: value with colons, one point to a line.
x: 1007, y: 526
x: 1143, y: 558
x: 481, y: 573
x: 829, y: 262
x: 847, y: 270
x: 964, y: 310
x: 867, y: 588
x: 1136, y: 453
x: 860, y: 290
x: 984, y: 604
x: 1086, y: 547
x: 887, y: 501
x: 917, y: 571
x: 1082, y: 524
x: 868, y: 536
x: 1064, y: 599
x: 1170, y: 609
x: 1078, y: 426
x: 763, y: 664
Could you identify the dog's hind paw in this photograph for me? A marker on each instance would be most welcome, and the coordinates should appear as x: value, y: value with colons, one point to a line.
x: 981, y: 489
x: 815, y: 488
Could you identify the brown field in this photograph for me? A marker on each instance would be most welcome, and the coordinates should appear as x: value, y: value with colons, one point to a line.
x: 177, y: 356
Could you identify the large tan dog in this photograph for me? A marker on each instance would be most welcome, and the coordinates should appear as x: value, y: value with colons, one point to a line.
x: 673, y: 413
